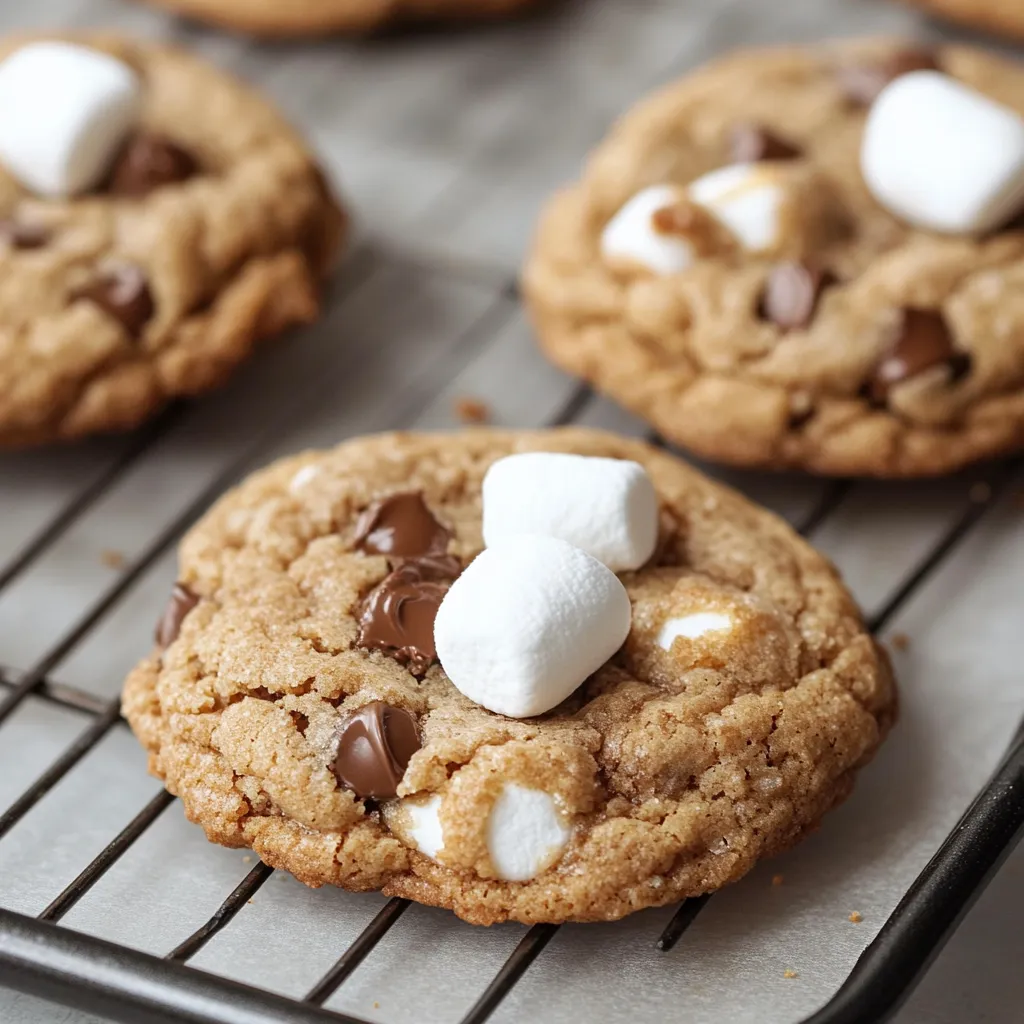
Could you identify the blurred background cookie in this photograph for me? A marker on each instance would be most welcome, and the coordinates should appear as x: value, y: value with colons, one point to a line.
x: 157, y: 219
x: 1000, y: 16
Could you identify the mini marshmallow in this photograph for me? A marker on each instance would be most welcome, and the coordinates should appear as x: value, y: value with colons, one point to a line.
x: 525, y: 833
x: 64, y: 112
x: 747, y: 199
x: 631, y: 236
x: 607, y: 507
x: 425, y: 825
x: 691, y: 627
x: 304, y: 476
x: 942, y: 156
x: 527, y: 622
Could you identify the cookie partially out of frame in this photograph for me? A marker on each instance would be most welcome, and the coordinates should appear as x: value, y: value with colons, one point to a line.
x: 854, y: 343
x: 999, y: 16
x: 287, y: 708
x: 281, y: 18
x: 213, y: 230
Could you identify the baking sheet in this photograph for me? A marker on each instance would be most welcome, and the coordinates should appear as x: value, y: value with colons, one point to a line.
x: 446, y: 144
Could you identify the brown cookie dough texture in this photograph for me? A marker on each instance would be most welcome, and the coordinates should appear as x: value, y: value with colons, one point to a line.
x: 279, y: 18
x: 993, y: 15
x: 698, y: 354
x: 203, y: 268
x: 671, y: 771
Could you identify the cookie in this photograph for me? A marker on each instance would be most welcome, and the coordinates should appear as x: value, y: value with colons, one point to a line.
x: 727, y: 270
x: 283, y: 18
x: 157, y: 220
x: 296, y: 706
x: 1000, y: 16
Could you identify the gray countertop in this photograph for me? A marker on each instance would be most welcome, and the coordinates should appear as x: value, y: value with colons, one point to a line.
x: 446, y: 145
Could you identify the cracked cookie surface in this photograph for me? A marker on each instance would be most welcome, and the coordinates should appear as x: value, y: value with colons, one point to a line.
x: 207, y: 266
x: 753, y: 369
x: 745, y: 698
x: 280, y: 18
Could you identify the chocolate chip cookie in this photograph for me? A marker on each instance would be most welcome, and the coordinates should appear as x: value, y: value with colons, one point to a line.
x: 295, y: 702
x: 157, y: 220
x: 725, y: 269
x: 282, y: 18
x: 1000, y: 16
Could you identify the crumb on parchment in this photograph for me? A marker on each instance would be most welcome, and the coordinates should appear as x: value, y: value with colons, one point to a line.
x: 777, y: 879
x: 855, y: 917
x: 472, y: 411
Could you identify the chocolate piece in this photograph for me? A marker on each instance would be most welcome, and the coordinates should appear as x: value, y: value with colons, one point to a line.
x: 398, y: 614
x: 374, y: 749
x: 401, y: 526
x: 149, y: 161
x: 123, y: 293
x: 922, y: 340
x: 750, y: 142
x: 863, y: 82
x: 19, y: 235
x: 791, y: 294
x: 181, y: 603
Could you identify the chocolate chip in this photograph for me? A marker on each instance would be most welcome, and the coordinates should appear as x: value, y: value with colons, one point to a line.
x: 147, y: 162
x: 181, y: 603
x: 374, y: 748
x: 401, y: 526
x: 863, y: 82
x: 19, y: 235
x: 398, y: 615
x: 750, y: 142
x: 123, y: 293
x: 921, y: 341
x: 791, y: 294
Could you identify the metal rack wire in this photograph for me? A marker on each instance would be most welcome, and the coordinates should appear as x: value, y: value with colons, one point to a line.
x: 40, y: 957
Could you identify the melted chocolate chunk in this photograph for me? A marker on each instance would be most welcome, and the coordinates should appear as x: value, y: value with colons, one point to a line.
x: 19, y: 235
x: 123, y: 293
x: 147, y: 162
x: 922, y: 341
x: 791, y: 294
x: 863, y: 82
x: 374, y: 749
x: 398, y: 614
x: 750, y: 142
x: 181, y: 603
x: 401, y: 526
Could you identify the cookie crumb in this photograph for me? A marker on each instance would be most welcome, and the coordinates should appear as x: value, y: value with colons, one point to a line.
x: 900, y: 641
x: 787, y: 973
x: 472, y: 410
x: 112, y: 559
x: 980, y: 493
x: 376, y: 1005
x: 777, y: 879
x: 855, y: 917
x: 247, y: 859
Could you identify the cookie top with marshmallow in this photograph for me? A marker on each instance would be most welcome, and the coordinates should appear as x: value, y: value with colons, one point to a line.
x: 804, y: 258
x: 718, y: 686
x: 157, y: 218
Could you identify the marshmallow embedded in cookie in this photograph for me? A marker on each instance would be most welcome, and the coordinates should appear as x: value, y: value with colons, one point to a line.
x: 526, y: 833
x: 606, y: 507
x: 64, y: 112
x: 748, y: 199
x: 527, y: 622
x: 942, y: 156
x: 691, y: 626
x: 631, y: 236
x: 423, y: 825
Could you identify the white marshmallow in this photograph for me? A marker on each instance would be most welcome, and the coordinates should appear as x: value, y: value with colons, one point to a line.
x: 942, y: 156
x: 525, y: 833
x: 607, y: 507
x: 747, y: 199
x: 527, y: 622
x: 425, y: 825
x: 303, y: 477
x: 64, y: 111
x: 630, y: 234
x: 691, y: 627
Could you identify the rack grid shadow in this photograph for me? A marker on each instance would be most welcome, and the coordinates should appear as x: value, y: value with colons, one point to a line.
x: 39, y: 957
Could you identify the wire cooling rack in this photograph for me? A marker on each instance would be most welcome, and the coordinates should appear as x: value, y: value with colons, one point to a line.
x: 111, y: 904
